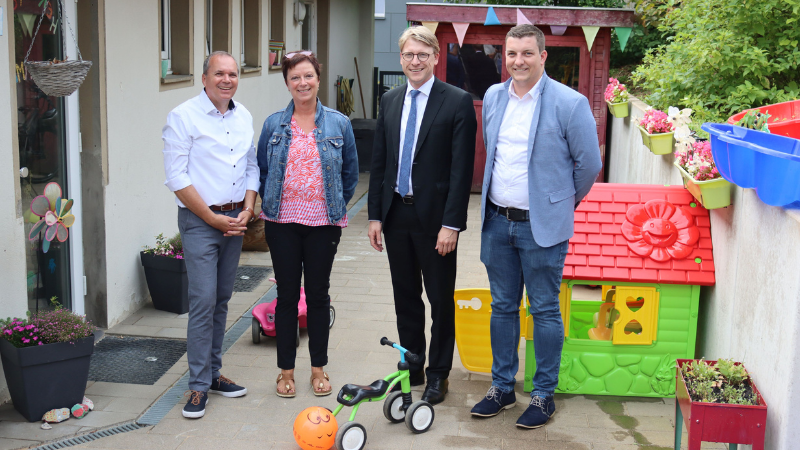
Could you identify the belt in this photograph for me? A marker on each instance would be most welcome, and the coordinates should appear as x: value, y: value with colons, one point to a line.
x: 227, y: 206
x: 512, y: 214
x: 407, y: 200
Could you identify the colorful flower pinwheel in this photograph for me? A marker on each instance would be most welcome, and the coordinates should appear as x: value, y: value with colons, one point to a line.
x: 55, y: 216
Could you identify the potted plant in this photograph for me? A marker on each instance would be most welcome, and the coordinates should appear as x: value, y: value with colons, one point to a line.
x: 657, y: 132
x: 700, y: 175
x: 165, y: 271
x: 718, y: 402
x: 46, y: 360
x: 617, y: 98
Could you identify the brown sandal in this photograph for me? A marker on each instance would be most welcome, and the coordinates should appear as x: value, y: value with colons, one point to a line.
x: 286, y: 394
x: 321, y: 385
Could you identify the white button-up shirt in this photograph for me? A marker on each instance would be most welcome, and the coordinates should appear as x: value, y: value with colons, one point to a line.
x: 509, y: 185
x: 422, y: 102
x: 211, y: 151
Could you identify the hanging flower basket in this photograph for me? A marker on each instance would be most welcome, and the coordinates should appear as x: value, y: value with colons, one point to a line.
x: 712, y: 194
x: 659, y: 143
x: 618, y: 110
x: 57, y: 78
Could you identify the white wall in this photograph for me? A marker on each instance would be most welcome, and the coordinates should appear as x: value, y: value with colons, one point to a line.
x: 753, y: 313
x: 138, y: 205
x: 351, y: 23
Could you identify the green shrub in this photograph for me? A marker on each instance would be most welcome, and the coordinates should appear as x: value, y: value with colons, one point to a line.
x: 725, y: 56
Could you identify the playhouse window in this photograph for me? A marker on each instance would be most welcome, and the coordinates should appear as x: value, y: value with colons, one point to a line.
x: 622, y: 315
x: 563, y: 65
x: 474, y: 67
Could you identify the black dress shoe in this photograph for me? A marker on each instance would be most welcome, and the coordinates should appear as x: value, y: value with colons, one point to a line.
x: 435, y: 390
x: 416, y: 379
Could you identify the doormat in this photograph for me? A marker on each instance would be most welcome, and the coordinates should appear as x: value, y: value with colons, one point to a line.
x: 249, y: 277
x: 131, y: 360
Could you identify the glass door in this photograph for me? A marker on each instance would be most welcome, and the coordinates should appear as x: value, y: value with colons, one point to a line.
x: 43, y: 154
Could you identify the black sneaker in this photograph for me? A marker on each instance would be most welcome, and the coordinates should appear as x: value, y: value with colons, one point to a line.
x: 538, y: 413
x: 196, y: 406
x: 226, y: 388
x: 494, y: 403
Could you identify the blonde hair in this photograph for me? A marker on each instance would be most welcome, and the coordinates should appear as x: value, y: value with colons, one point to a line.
x: 420, y: 34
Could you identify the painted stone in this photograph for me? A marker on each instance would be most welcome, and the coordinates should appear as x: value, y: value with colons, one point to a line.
x: 597, y: 364
x: 594, y: 385
x: 649, y: 365
x: 641, y: 385
x: 619, y: 381
x: 627, y: 360
x: 633, y: 369
x: 578, y: 372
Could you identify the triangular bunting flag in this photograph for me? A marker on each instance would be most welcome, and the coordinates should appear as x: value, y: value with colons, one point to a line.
x: 491, y: 17
x: 461, y: 30
x: 558, y: 30
x: 623, y: 33
x: 521, y: 18
x: 431, y: 26
x: 590, y: 33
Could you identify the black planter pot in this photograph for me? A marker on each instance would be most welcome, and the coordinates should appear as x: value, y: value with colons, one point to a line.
x: 46, y: 377
x: 167, y: 282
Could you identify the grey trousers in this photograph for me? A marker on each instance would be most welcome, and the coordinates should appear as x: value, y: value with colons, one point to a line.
x: 211, y: 262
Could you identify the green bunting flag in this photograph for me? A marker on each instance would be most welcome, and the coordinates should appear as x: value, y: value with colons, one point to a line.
x: 623, y: 33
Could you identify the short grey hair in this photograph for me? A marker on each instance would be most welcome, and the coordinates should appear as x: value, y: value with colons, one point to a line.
x: 213, y: 54
x: 526, y: 30
x: 421, y: 34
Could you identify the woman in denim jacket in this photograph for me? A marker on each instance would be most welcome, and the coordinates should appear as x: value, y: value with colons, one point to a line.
x: 309, y: 171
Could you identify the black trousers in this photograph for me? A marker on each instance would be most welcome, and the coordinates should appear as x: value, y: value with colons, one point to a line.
x: 299, y: 250
x: 413, y: 259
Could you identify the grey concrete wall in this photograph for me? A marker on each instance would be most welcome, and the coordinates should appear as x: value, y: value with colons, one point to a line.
x: 753, y: 313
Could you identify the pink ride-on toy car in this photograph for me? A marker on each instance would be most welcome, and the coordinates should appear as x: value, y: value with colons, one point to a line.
x: 264, y: 317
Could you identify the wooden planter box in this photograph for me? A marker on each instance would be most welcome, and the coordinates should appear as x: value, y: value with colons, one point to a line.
x: 712, y: 194
x: 167, y: 282
x: 718, y: 422
x: 45, y: 377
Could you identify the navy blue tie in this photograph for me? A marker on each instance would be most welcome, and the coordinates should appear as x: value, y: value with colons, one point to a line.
x: 408, y: 147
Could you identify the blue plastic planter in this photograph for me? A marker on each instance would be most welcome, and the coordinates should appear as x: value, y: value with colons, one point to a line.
x: 753, y: 159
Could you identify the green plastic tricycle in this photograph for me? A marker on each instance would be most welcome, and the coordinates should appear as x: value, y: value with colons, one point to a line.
x: 398, y: 406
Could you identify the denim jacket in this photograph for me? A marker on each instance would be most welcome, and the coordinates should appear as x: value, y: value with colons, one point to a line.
x: 337, y: 150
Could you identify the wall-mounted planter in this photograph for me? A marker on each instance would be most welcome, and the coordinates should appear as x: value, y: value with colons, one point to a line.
x: 753, y: 159
x: 618, y: 110
x: 660, y: 143
x: 712, y: 194
x: 718, y: 422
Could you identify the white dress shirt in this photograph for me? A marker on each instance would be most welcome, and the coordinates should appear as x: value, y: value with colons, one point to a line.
x: 509, y: 185
x: 211, y: 151
x: 422, y: 102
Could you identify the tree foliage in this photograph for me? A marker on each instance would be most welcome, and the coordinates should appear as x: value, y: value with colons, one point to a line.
x: 724, y: 56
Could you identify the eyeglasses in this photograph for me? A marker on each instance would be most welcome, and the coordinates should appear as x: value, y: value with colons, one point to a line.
x: 304, y: 53
x: 422, y: 57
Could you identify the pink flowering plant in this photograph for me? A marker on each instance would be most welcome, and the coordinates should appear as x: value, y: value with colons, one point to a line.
x: 697, y: 161
x: 656, y: 122
x: 616, y: 92
x: 171, y: 248
x: 46, y: 327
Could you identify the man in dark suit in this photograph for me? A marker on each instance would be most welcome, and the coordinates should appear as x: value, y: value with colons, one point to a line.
x: 418, y: 195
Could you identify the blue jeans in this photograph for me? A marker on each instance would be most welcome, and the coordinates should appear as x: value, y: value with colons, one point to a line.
x: 513, y: 260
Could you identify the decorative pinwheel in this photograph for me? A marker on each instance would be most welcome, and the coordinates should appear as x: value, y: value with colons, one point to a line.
x: 55, y: 216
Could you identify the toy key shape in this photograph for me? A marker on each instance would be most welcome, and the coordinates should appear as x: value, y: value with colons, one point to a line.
x: 475, y: 303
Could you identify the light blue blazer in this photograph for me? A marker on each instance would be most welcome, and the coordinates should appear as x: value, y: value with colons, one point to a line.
x: 563, y: 156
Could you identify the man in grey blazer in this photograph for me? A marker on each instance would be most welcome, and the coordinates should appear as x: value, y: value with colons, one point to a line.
x: 542, y: 157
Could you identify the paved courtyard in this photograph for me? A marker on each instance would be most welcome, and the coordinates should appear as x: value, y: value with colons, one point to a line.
x: 361, y: 293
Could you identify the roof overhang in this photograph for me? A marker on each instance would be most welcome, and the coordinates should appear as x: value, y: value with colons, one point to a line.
x: 507, y: 15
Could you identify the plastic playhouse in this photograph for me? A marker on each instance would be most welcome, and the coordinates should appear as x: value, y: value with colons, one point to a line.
x: 629, y: 296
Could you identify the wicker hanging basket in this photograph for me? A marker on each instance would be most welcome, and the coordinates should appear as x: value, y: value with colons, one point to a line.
x: 57, y: 79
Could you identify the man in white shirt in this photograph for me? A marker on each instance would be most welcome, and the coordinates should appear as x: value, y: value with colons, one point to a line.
x: 210, y: 163
x: 542, y: 157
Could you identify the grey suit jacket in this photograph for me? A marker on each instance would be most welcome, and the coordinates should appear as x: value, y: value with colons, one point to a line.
x: 563, y: 156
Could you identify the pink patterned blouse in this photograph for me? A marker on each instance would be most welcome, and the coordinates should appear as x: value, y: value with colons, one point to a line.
x: 303, y: 196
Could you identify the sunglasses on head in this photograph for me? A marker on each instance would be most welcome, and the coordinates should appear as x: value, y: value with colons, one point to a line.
x: 304, y: 53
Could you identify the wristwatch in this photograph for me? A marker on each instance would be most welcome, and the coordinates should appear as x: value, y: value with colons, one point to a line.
x: 252, y: 213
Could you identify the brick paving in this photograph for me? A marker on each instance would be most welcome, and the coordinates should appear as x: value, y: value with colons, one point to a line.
x: 361, y: 294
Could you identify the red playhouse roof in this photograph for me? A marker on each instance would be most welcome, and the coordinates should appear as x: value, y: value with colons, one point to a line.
x: 641, y: 233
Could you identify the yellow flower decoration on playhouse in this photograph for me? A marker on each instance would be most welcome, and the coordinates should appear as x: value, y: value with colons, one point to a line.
x: 55, y: 216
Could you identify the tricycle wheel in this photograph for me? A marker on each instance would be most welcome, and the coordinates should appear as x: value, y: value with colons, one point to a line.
x: 256, y: 331
x: 393, y: 407
x: 419, y: 416
x: 351, y: 436
x: 333, y: 317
